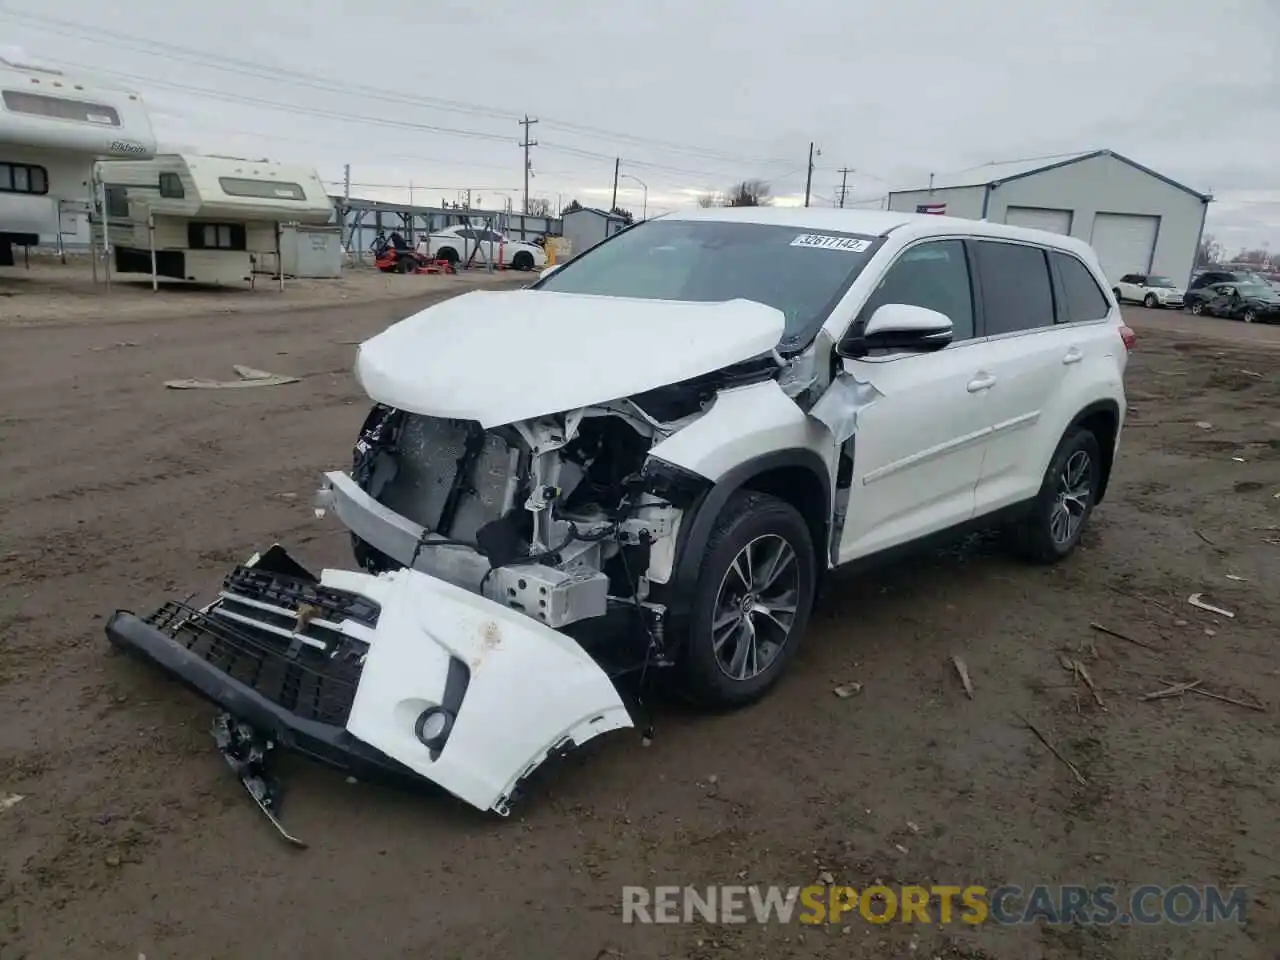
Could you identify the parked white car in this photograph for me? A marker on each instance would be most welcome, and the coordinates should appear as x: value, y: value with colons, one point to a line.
x: 651, y: 460
x: 1149, y: 290
x: 457, y: 244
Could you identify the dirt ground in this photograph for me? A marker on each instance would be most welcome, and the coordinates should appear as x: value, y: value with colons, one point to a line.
x: 132, y: 838
x: 54, y: 292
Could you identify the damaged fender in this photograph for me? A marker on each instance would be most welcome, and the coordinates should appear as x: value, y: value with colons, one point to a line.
x: 530, y: 692
x: 838, y: 407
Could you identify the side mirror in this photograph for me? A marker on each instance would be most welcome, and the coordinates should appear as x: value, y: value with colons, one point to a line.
x: 548, y: 271
x: 899, y: 327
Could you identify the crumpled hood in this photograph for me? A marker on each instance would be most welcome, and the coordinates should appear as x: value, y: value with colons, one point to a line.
x: 501, y: 356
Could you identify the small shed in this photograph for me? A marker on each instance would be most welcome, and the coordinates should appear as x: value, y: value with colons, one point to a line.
x: 1136, y: 220
x: 587, y: 226
x: 309, y: 250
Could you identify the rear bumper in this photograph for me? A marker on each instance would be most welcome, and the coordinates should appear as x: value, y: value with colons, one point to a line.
x: 325, y: 742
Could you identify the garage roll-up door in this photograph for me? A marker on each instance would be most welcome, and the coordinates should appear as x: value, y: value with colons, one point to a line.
x: 1039, y: 218
x: 1125, y: 243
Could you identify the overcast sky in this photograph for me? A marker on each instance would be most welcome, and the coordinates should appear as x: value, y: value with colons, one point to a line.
x: 696, y: 95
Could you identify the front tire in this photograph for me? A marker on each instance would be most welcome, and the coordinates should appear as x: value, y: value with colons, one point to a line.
x: 522, y: 261
x: 752, y: 601
x: 1197, y: 309
x: 1249, y: 316
x: 1051, y: 531
x: 1150, y: 302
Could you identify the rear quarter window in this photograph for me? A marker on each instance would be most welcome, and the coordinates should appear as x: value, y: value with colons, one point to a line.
x: 1082, y: 298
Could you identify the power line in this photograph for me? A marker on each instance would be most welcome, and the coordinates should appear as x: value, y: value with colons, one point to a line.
x: 240, y: 66
x: 298, y: 108
x: 665, y: 144
x: 273, y: 104
x: 346, y: 145
x: 418, y: 186
x: 597, y: 155
x: 380, y: 121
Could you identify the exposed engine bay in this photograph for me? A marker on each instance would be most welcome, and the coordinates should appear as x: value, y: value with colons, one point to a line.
x: 564, y: 518
x: 553, y: 512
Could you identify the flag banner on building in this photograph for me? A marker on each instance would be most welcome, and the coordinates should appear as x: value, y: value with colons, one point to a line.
x: 938, y: 209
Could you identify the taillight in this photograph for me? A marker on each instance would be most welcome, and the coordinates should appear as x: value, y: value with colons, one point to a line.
x: 1128, y: 336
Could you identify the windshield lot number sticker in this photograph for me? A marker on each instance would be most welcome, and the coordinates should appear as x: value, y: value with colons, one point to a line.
x: 819, y: 242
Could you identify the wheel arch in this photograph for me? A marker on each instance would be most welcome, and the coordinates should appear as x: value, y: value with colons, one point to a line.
x: 1102, y: 419
x: 797, y: 476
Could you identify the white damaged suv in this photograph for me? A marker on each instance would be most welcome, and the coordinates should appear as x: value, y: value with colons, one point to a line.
x: 649, y: 460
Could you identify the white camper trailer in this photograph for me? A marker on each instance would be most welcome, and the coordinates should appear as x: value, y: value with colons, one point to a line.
x: 205, y: 219
x: 52, y: 129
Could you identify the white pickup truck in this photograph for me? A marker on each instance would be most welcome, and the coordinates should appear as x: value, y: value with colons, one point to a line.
x: 456, y: 244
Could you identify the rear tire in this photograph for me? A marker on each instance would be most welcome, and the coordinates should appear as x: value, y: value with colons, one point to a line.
x: 752, y: 601
x: 1249, y: 316
x: 1051, y: 531
x: 1115, y: 292
x: 406, y: 264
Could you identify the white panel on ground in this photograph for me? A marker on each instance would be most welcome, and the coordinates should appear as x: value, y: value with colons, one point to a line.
x: 1124, y: 243
x: 1039, y: 218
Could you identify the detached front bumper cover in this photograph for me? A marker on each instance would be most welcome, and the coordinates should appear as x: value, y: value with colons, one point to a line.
x: 347, y: 669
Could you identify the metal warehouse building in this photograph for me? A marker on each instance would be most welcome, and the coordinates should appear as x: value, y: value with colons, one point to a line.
x: 1137, y: 220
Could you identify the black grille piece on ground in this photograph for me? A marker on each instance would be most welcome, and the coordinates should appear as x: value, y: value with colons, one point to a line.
x: 288, y: 592
x: 313, y: 685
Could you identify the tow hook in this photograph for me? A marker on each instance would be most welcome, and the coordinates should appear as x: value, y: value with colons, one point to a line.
x: 246, y: 751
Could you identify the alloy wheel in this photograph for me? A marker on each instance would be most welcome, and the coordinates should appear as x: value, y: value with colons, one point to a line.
x: 1074, y: 491
x: 755, y: 607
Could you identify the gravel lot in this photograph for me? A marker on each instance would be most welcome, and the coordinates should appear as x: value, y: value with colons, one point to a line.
x: 55, y: 293
x: 133, y: 838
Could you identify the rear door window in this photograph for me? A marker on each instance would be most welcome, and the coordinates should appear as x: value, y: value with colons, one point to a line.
x: 1017, y: 293
x: 1082, y: 298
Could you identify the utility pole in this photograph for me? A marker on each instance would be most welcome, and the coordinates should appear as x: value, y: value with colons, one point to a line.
x: 527, y: 143
x: 844, y: 179
x: 343, y: 237
x: 617, y: 166
x: 808, y: 180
